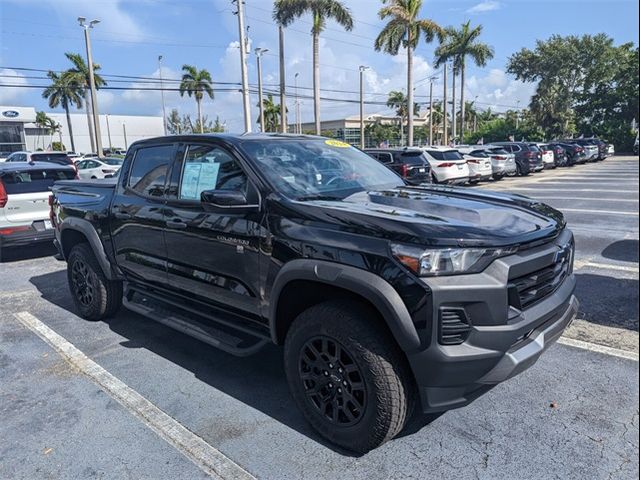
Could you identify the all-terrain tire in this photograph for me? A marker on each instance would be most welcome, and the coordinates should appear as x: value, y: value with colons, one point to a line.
x: 381, y: 368
x: 93, y: 294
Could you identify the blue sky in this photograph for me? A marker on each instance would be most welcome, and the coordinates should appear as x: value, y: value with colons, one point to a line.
x: 132, y: 33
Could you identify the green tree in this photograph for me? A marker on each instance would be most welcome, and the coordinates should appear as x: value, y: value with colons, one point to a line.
x: 64, y: 92
x: 41, y: 121
x: 400, y: 103
x: 405, y: 29
x: 285, y: 12
x: 457, y: 46
x: 79, y: 74
x: 196, y: 83
x: 271, y: 114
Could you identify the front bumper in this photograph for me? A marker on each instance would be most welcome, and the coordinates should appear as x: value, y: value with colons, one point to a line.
x: 503, y: 340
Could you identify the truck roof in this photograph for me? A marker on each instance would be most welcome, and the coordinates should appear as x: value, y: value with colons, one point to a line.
x: 232, y: 138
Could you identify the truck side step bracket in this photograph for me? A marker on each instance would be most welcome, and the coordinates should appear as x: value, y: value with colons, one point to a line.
x: 221, y: 336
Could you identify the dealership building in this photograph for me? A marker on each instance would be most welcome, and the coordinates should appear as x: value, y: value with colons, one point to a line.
x: 18, y: 130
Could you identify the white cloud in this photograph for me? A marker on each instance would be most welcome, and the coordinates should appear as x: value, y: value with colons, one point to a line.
x: 486, y: 6
x: 497, y: 91
x: 11, y: 77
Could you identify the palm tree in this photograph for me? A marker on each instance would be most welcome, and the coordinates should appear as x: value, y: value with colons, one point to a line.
x: 79, y: 74
x: 52, y: 127
x: 457, y: 46
x: 398, y: 101
x: 404, y: 30
x: 271, y: 114
x: 196, y: 82
x: 286, y: 11
x: 41, y: 121
x: 64, y: 92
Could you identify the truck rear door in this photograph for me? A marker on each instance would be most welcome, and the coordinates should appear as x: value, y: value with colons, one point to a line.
x: 137, y: 214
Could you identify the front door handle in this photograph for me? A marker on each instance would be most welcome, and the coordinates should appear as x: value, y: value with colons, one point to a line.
x: 176, y: 224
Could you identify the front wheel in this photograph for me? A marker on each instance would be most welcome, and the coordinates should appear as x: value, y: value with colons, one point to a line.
x: 347, y: 375
x: 94, y: 295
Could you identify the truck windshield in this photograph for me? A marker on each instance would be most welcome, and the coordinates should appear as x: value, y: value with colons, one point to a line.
x: 305, y: 169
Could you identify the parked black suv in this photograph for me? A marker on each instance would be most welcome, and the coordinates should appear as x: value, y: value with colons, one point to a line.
x: 528, y: 157
x: 409, y: 163
x: 383, y: 294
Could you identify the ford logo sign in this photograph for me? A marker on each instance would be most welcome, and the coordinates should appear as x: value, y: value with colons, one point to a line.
x: 10, y: 113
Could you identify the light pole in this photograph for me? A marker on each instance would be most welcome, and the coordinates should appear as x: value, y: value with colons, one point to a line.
x: 109, y: 135
x: 283, y: 96
x: 92, y: 83
x: 444, y: 108
x: 296, y: 104
x: 243, y: 67
x: 164, y: 113
x: 431, y: 110
x: 362, y: 69
x: 124, y: 133
x: 517, y: 114
x: 259, y: 52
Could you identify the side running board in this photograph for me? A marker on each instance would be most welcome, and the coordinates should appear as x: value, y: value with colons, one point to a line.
x: 224, y: 337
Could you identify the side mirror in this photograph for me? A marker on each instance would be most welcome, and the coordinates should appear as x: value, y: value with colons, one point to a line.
x: 223, y: 198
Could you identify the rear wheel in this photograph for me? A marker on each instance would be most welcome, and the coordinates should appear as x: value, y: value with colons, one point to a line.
x: 520, y: 171
x: 347, y: 376
x: 94, y: 295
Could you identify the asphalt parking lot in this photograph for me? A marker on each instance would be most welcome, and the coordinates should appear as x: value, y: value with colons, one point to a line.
x: 572, y: 415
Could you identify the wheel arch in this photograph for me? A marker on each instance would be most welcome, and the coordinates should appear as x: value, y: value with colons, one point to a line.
x: 77, y: 230
x: 302, y: 283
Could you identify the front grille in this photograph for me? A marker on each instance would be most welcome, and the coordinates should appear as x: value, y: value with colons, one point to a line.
x: 454, y: 326
x: 531, y: 288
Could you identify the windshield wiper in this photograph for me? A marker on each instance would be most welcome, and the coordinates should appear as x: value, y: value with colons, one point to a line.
x: 305, y: 198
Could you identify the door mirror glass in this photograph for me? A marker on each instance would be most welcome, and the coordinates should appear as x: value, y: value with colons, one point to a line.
x: 223, y: 198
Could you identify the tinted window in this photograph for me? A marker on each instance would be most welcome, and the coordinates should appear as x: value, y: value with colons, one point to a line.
x: 498, y: 151
x: 149, y: 169
x: 449, y: 155
x: 31, y: 181
x: 534, y: 148
x: 113, y: 161
x: 385, y: 157
x: 210, y: 168
x: 479, y: 154
x: 413, y: 158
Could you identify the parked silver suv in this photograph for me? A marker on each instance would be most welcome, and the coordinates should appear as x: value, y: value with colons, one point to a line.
x: 24, y: 201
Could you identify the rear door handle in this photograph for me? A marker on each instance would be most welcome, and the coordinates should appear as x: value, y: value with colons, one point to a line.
x: 176, y: 224
x: 122, y: 216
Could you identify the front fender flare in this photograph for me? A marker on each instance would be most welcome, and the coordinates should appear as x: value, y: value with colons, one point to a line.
x: 365, y: 284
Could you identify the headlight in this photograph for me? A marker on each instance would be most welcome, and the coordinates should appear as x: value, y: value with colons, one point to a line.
x: 447, y: 261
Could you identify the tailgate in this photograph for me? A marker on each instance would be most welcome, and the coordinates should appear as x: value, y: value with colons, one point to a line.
x: 24, y: 208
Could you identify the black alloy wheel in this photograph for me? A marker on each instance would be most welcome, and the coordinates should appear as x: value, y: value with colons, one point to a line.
x: 332, y: 381
x: 82, y: 282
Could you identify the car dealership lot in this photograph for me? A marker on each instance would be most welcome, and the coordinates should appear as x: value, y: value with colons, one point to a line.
x: 573, y: 415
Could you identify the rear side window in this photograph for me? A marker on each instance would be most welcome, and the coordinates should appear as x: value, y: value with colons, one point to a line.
x: 385, y: 157
x: 149, y: 170
x: 534, y: 148
x: 479, y: 154
x: 32, y: 181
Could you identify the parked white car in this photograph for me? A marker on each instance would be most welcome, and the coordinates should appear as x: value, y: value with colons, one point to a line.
x: 611, y: 150
x: 24, y: 201
x: 96, y: 168
x: 479, y: 163
x: 502, y: 162
x: 447, y: 165
x: 548, y: 158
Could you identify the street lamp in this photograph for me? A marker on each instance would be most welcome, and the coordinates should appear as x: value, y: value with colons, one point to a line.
x: 296, y: 105
x: 164, y: 113
x: 92, y: 83
x: 362, y: 69
x: 259, y: 52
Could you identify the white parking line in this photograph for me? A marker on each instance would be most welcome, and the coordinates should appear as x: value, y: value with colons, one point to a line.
x: 605, y: 266
x: 604, y: 212
x: 594, y: 347
x: 210, y: 460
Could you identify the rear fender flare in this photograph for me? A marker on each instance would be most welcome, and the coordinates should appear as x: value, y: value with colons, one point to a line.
x: 367, y: 285
x: 88, y: 230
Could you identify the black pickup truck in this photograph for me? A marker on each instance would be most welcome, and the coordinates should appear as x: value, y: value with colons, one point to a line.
x: 383, y: 294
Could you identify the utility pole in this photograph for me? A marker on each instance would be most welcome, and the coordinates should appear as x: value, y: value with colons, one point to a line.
x: 124, y: 133
x: 431, y: 111
x: 517, y: 114
x: 296, y: 105
x: 243, y: 67
x: 283, y: 96
x: 164, y: 113
x: 454, y: 128
x: 109, y: 135
x: 444, y: 107
x: 362, y: 69
x: 259, y: 52
x: 92, y: 83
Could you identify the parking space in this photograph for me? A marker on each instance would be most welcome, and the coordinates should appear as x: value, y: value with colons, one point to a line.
x: 572, y: 415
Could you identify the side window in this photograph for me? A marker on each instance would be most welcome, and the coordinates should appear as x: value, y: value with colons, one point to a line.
x: 386, y: 158
x: 149, y: 170
x: 515, y: 148
x: 208, y: 167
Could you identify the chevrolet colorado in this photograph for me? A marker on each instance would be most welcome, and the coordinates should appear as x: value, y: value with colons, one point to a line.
x: 384, y: 295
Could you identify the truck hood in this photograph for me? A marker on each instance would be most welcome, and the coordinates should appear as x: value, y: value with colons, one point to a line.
x: 437, y: 215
